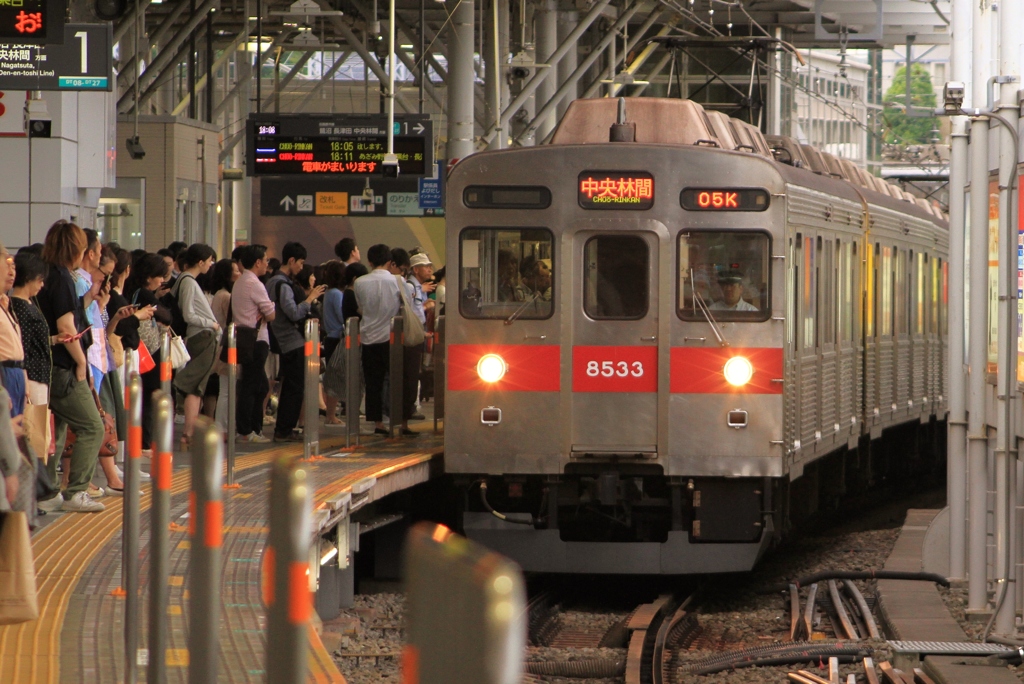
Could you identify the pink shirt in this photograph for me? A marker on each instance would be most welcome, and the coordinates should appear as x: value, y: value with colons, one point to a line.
x: 249, y: 299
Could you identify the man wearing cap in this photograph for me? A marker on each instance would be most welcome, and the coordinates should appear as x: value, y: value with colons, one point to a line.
x: 731, y: 283
x: 421, y: 283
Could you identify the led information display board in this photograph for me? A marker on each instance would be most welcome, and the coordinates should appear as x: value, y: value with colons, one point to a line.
x: 32, y: 21
x: 616, y: 190
x: 724, y: 199
x: 82, y: 62
x: 336, y: 144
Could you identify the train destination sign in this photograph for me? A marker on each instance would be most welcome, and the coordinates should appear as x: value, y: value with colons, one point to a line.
x: 336, y: 145
x: 32, y: 21
x: 616, y: 190
x: 724, y: 199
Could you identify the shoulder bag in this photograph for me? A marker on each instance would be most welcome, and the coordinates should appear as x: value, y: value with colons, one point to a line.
x: 245, y: 341
x: 412, y: 329
x: 18, y: 598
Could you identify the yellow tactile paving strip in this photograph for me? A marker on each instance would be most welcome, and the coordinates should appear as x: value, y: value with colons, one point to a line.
x: 30, y: 652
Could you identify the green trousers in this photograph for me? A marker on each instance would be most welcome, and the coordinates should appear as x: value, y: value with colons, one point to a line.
x: 73, y: 406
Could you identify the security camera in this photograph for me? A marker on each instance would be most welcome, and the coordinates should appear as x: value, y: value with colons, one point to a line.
x: 953, y: 96
x: 390, y: 166
x: 135, y: 150
x: 520, y: 72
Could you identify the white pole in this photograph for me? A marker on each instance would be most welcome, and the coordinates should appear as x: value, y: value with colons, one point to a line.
x: 1006, y: 450
x: 391, y: 78
x: 956, y: 480
x: 977, y: 429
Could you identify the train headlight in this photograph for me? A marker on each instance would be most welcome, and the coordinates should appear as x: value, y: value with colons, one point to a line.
x: 491, y: 368
x: 738, y: 371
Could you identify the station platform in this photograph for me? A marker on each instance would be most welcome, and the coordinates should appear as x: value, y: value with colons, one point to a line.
x: 915, y: 616
x: 79, y: 634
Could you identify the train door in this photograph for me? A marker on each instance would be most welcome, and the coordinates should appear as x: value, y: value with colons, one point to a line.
x: 918, y: 333
x: 615, y: 339
x: 885, y: 383
x: 901, y: 331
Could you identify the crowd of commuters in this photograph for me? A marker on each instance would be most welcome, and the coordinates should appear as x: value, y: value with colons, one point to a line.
x: 75, y: 312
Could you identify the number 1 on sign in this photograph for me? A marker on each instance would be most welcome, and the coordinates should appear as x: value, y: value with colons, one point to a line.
x: 84, y: 37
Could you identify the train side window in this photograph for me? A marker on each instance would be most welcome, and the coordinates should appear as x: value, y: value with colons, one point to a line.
x: 885, y: 293
x: 901, y: 294
x: 809, y: 296
x: 933, y: 298
x: 506, y: 272
x: 919, y: 293
x: 616, y: 277
x: 845, y: 303
x: 725, y: 271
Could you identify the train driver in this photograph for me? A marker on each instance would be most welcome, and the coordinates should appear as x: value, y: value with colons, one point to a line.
x: 536, y: 280
x: 731, y: 283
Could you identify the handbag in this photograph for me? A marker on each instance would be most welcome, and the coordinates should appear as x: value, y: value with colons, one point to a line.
x: 245, y: 341
x: 146, y: 362
x: 108, y: 447
x: 36, y: 424
x: 45, y: 488
x: 18, y: 599
x: 412, y: 329
x: 149, y: 331
x: 179, y: 354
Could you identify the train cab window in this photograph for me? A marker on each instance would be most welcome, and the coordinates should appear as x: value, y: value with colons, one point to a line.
x: 506, y: 273
x: 616, y: 277
x: 725, y: 272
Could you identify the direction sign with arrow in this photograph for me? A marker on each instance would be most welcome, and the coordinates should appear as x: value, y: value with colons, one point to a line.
x: 287, y: 203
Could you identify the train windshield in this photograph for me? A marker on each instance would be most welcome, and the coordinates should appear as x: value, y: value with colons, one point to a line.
x: 506, y: 273
x: 725, y: 272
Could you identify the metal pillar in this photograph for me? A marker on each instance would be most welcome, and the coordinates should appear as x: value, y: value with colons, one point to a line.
x: 531, y: 85
x: 396, y: 375
x: 497, y: 92
x: 977, y: 354
x: 546, y: 38
x: 460, y: 79
x: 1006, y: 388
x: 289, y: 601
x: 353, y: 374
x: 567, y: 21
x: 311, y: 390
x: 159, y: 544
x: 232, y: 380
x: 956, y: 460
x: 206, y: 526
x: 130, y: 531
x: 594, y: 55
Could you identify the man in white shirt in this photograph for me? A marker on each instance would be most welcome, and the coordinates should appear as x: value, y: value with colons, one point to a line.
x: 378, y: 298
x: 731, y: 283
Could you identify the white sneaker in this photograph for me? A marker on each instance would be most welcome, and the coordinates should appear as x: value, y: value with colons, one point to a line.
x: 52, y: 505
x: 96, y: 492
x: 258, y: 438
x: 81, y: 503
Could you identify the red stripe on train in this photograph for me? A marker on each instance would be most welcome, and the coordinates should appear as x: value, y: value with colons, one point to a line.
x: 698, y: 370
x: 531, y: 368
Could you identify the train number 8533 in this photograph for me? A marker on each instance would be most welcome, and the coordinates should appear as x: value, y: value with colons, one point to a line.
x: 621, y: 369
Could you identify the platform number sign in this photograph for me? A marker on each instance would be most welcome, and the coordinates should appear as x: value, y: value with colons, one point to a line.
x: 81, y: 62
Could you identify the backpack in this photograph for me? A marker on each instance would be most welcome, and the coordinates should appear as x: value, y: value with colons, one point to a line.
x: 170, y: 300
x: 275, y: 347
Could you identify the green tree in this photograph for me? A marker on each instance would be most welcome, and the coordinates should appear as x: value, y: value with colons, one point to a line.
x: 900, y: 128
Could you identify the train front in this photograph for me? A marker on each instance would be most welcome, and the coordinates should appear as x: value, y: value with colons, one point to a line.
x: 614, y: 337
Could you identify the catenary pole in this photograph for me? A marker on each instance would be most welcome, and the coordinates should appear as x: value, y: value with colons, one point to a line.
x: 977, y: 353
x: 956, y: 461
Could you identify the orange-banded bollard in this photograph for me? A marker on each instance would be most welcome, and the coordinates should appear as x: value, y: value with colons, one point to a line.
x: 206, y: 527
x: 159, y: 542
x: 130, y: 531
x: 232, y: 380
x: 288, y: 598
x: 353, y: 372
x: 311, y: 392
x: 396, y: 376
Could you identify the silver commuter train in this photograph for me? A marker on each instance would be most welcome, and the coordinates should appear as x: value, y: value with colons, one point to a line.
x: 650, y: 341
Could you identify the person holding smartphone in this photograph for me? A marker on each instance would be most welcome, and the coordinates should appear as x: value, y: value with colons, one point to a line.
x: 70, y: 395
